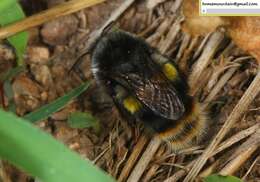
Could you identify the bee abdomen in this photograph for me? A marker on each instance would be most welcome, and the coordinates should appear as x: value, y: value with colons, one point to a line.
x: 188, y: 130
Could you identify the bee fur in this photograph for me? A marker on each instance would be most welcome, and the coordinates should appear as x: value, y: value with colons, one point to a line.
x: 148, y: 87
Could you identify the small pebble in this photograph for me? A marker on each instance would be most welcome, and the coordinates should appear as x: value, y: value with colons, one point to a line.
x: 38, y: 54
x: 58, y: 31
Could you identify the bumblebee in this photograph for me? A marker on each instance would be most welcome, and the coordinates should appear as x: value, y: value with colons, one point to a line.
x: 147, y: 87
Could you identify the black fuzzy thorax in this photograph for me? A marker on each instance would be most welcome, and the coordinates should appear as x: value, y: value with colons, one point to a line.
x: 117, y: 48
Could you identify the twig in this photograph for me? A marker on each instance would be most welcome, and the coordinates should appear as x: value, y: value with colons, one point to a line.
x: 239, y: 109
x: 47, y: 15
x: 145, y: 159
x: 133, y: 158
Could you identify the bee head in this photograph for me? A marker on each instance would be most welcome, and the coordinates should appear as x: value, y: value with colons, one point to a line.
x: 118, y: 54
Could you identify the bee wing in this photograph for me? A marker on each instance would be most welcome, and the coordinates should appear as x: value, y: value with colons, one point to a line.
x: 158, y: 94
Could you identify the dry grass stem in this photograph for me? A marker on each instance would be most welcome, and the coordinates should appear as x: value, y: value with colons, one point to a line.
x: 224, y: 145
x: 152, y: 27
x: 133, y: 158
x: 223, y: 80
x: 183, y: 62
x: 220, y: 84
x: 176, y: 6
x: 170, y: 37
x: 254, y: 140
x: 179, y: 174
x: 153, y: 3
x: 205, y: 59
x: 152, y: 171
x: 201, y: 46
x: 236, y: 163
x: 209, y: 170
x: 236, y: 138
x: 144, y: 160
x: 164, y: 26
x: 100, y: 155
x: 183, y: 47
x: 119, y: 164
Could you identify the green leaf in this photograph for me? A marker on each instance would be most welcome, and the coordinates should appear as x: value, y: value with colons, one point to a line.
x: 219, y: 178
x: 5, y: 4
x: 11, y: 11
x: 39, y: 154
x: 45, y: 111
x: 83, y: 120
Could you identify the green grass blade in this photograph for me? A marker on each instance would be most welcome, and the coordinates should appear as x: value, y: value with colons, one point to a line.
x: 39, y: 154
x: 11, y: 11
x: 45, y: 111
x: 220, y: 178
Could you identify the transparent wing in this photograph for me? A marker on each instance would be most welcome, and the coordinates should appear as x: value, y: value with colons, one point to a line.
x: 158, y: 94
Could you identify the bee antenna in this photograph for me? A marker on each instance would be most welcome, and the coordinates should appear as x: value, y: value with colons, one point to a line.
x: 75, y: 66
